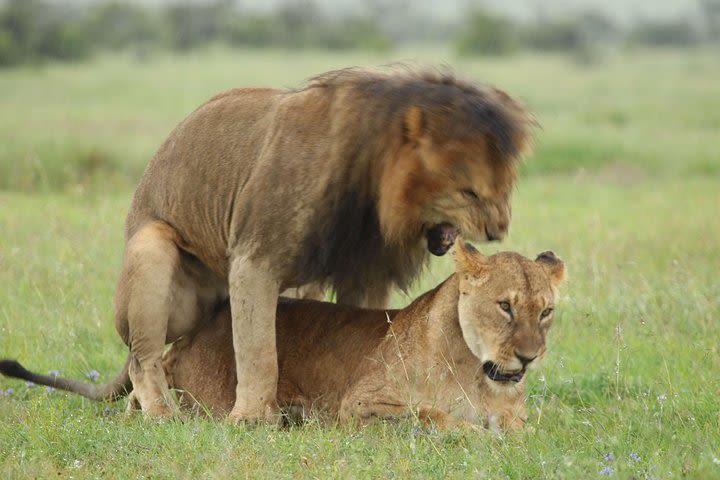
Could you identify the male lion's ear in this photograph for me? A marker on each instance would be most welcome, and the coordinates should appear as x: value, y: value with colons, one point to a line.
x: 468, y: 258
x: 413, y: 125
x: 554, y: 266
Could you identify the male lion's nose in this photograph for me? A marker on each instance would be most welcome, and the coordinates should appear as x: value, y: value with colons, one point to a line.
x: 525, y: 359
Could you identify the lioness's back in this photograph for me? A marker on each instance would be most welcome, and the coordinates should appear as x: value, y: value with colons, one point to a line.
x: 318, y: 345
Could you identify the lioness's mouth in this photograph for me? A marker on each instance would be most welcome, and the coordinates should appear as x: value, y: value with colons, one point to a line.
x: 440, y: 238
x: 493, y: 372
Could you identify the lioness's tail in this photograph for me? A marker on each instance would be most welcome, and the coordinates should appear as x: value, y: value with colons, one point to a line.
x: 116, y: 388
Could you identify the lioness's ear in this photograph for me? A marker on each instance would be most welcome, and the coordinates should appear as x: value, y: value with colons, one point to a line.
x: 467, y: 258
x: 554, y: 266
x: 413, y: 125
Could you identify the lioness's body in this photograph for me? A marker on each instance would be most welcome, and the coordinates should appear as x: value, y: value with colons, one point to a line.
x: 332, y: 356
x: 259, y: 190
x: 348, y: 362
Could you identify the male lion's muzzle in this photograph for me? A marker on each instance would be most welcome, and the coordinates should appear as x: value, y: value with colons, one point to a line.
x: 440, y: 238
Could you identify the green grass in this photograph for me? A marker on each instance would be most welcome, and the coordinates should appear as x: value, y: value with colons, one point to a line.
x: 624, y: 186
x: 632, y: 366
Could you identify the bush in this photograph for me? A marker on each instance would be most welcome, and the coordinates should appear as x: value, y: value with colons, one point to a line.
x: 295, y: 27
x: 553, y: 35
x: 486, y: 33
x: 192, y: 25
x: 63, y: 41
x: 119, y: 25
x: 576, y: 33
x: 680, y: 32
x: 252, y: 30
x: 33, y: 29
x: 9, y: 51
x: 353, y: 33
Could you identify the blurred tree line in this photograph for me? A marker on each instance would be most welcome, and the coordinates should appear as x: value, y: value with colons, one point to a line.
x: 33, y: 30
x: 489, y: 33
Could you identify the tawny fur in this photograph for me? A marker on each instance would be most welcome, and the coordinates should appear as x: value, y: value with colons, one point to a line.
x: 424, y: 360
x: 260, y: 190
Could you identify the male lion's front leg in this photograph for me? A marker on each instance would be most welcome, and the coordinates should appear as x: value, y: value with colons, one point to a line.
x: 253, y: 298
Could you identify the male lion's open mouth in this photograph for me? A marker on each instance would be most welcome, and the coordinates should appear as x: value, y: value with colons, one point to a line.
x: 440, y: 238
x: 493, y: 372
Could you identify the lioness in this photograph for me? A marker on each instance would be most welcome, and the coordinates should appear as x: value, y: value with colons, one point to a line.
x: 459, y: 353
x: 350, y: 180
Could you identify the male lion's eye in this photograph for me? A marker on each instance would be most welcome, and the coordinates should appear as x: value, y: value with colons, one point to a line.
x: 505, y: 306
x: 471, y: 194
x: 546, y: 312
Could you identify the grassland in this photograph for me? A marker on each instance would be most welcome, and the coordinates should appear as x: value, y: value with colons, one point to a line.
x: 624, y: 186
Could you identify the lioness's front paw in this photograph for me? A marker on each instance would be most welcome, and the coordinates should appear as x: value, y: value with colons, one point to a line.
x: 472, y: 427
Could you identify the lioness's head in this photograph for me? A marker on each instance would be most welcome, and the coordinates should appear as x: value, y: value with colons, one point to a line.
x: 454, y: 169
x: 506, y: 306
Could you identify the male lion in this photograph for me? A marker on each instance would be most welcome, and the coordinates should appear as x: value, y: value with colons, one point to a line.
x: 347, y: 181
x: 458, y: 354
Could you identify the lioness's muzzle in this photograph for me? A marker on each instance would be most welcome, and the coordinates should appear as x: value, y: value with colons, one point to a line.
x: 493, y: 372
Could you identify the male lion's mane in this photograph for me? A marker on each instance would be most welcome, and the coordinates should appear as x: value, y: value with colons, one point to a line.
x: 367, y: 108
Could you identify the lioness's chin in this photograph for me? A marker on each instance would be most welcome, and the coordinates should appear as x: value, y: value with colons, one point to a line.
x: 440, y: 238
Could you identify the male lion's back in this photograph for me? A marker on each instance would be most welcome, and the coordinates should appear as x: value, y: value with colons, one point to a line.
x: 249, y: 164
x: 193, y: 179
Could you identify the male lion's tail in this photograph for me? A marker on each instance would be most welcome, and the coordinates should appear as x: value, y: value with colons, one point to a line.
x: 116, y: 388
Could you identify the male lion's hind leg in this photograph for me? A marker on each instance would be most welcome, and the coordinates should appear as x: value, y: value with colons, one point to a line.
x: 132, y: 404
x: 143, y: 307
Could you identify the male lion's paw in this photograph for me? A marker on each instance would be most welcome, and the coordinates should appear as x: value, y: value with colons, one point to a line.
x: 133, y: 404
x: 159, y: 410
x: 268, y: 414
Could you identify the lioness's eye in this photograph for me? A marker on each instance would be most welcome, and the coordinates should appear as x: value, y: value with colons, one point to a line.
x: 505, y: 306
x: 546, y: 312
x: 471, y: 194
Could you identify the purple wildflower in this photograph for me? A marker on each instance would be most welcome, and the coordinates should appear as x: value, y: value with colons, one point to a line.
x: 29, y: 384
x: 607, y: 471
x: 49, y: 389
x: 610, y: 457
x: 635, y: 457
x: 93, y: 375
x: 7, y: 392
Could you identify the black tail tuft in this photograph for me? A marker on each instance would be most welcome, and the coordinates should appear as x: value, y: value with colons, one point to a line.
x: 12, y: 368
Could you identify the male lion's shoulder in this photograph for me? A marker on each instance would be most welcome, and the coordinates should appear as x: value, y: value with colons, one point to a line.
x: 236, y: 92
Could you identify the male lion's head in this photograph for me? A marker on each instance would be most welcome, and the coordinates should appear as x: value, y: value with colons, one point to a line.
x: 506, y: 307
x: 454, y: 165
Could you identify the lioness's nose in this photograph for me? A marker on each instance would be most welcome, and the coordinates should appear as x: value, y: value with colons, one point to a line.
x: 525, y: 359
